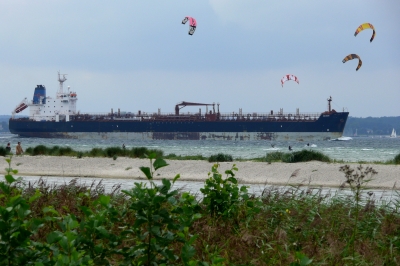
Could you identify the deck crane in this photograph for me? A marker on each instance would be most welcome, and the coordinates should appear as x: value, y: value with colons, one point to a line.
x: 183, y: 104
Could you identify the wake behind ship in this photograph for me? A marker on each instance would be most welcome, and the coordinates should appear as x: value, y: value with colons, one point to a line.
x: 57, y: 118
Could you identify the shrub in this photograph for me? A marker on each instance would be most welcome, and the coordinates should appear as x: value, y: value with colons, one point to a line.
x: 3, y: 151
x: 397, y: 159
x: 305, y: 156
x: 138, y: 152
x: 17, y: 226
x: 96, y: 152
x: 162, y: 219
x: 55, y: 150
x: 274, y: 156
x: 66, y: 151
x: 220, y: 157
x: 113, y: 151
x: 39, y: 150
x: 222, y: 196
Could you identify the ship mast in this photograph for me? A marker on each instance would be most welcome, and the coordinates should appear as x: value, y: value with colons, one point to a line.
x: 61, y: 80
x: 329, y: 103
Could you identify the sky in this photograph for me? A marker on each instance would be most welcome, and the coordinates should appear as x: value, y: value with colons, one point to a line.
x: 137, y: 55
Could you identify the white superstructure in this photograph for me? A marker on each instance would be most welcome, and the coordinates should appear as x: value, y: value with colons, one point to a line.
x: 54, y: 109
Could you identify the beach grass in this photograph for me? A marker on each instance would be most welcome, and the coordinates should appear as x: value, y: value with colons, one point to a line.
x: 110, y: 152
x: 304, y: 155
x: 282, y: 226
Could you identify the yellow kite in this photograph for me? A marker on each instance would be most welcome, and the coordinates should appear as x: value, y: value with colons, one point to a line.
x: 366, y: 26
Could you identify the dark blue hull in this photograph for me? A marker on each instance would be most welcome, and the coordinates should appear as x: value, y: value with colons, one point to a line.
x: 327, y: 126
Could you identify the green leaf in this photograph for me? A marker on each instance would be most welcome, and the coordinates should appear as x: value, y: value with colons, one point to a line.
x: 35, y: 197
x: 188, y: 252
x: 5, y: 188
x: 9, y: 178
x: 64, y: 243
x: 197, y: 216
x: 50, y: 209
x: 176, y: 178
x: 104, y: 200
x: 86, y: 210
x: 102, y: 231
x: 147, y: 172
x: 158, y: 163
x: 302, y: 259
x: 152, y: 155
x: 54, y: 237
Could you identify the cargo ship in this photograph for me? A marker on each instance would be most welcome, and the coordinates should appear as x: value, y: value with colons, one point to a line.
x: 58, y: 118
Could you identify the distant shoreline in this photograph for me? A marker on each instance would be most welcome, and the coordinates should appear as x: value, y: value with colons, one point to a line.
x: 312, y: 173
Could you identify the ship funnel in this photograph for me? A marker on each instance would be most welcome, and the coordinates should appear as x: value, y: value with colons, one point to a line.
x: 40, y: 91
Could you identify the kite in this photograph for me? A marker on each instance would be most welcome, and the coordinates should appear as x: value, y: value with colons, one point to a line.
x: 289, y: 77
x: 366, y: 26
x: 192, y: 24
x: 351, y: 57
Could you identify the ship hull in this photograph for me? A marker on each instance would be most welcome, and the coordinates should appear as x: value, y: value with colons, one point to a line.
x: 324, y: 128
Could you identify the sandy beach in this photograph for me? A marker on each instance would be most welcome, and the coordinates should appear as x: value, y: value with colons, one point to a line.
x: 312, y: 173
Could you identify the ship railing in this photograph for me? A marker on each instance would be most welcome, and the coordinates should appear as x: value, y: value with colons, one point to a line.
x: 269, y: 116
x: 197, y: 116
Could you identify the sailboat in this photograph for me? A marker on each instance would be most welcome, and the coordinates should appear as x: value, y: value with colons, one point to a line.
x: 393, y: 135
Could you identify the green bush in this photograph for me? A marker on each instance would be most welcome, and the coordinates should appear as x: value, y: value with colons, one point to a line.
x: 113, y: 151
x: 397, y: 159
x: 66, y: 151
x: 305, y: 156
x: 96, y: 152
x: 54, y: 151
x: 274, y: 156
x: 157, y: 224
x: 220, y: 157
x: 222, y: 196
x: 162, y: 219
x: 138, y: 152
x: 39, y: 150
x: 3, y: 151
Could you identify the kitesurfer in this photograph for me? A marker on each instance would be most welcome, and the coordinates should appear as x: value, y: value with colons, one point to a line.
x: 290, y: 148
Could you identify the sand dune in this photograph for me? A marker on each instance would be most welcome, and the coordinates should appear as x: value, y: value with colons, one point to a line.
x: 314, y: 173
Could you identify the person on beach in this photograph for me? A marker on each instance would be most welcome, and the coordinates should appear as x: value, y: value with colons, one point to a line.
x: 123, y: 146
x: 8, y: 148
x: 290, y: 148
x: 18, y: 149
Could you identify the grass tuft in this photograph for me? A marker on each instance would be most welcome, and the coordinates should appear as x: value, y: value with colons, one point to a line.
x: 220, y: 157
